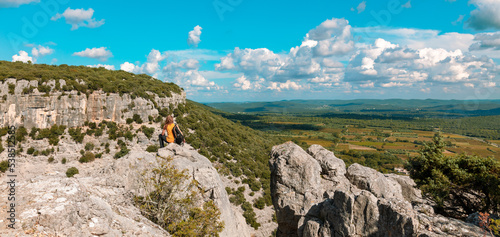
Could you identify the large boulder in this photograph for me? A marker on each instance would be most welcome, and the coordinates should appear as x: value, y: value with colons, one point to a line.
x: 316, y: 196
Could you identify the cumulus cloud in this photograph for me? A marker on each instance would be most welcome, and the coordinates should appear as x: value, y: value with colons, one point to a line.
x: 288, y: 85
x: 129, y: 67
x: 79, y: 18
x: 332, y: 37
x: 101, y: 53
x: 109, y: 67
x: 486, y: 41
x: 194, y: 36
x: 361, y: 7
x: 389, y: 65
x: 22, y: 56
x: 16, y: 3
x: 485, y: 16
x: 41, y: 51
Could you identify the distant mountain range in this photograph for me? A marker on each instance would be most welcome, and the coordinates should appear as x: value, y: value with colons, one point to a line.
x: 389, y: 107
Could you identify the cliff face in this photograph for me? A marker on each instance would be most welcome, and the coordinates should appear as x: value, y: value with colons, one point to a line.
x: 316, y: 196
x: 39, y: 110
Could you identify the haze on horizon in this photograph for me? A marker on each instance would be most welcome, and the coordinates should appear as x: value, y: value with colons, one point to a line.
x: 235, y: 51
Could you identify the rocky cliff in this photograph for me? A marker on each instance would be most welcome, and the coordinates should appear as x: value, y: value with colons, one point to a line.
x: 72, y: 109
x: 316, y: 196
x: 98, y: 200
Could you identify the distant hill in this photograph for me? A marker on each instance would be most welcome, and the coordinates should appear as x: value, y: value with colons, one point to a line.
x: 389, y: 107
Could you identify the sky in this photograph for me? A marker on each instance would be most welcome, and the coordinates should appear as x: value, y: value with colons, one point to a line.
x: 242, y: 50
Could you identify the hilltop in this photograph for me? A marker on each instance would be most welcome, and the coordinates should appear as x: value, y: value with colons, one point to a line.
x: 67, y: 115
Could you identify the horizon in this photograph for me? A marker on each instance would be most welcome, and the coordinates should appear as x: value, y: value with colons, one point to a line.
x: 244, y: 51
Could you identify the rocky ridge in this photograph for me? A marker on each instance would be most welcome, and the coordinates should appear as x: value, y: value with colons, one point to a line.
x: 72, y: 108
x: 316, y: 196
x: 98, y: 200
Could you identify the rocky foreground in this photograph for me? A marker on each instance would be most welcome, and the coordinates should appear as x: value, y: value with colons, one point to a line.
x: 98, y: 200
x: 316, y: 196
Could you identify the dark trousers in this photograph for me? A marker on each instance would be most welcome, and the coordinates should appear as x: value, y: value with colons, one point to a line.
x: 163, y: 140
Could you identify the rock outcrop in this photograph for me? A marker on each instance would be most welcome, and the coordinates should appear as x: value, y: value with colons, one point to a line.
x: 99, y: 200
x: 316, y: 196
x: 72, y: 108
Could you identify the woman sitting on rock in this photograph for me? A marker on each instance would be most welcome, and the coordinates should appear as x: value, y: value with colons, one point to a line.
x: 169, y: 126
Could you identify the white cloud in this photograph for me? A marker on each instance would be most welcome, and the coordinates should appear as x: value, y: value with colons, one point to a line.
x: 109, y: 67
x: 79, y: 18
x: 129, y: 67
x: 22, y: 57
x: 41, y: 51
x: 361, y: 7
x: 288, y: 85
x: 194, y: 36
x: 485, y: 16
x: 489, y: 84
x: 333, y: 37
x: 101, y: 53
x: 469, y: 85
x: 16, y: 3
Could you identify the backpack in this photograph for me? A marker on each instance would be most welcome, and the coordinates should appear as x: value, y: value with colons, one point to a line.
x: 179, y: 137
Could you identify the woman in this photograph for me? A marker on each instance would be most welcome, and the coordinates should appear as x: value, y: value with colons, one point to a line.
x: 169, y: 126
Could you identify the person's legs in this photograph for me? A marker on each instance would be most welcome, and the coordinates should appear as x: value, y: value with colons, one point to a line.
x: 162, y: 139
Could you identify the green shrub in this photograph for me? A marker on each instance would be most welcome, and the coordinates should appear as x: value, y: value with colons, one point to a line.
x: 450, y: 181
x: 152, y: 148
x: 147, y: 131
x: 129, y: 120
x: 30, y: 151
x: 4, y: 165
x: 174, y: 211
x: 63, y: 161
x: 87, y: 157
x: 12, y: 88
x: 123, y: 151
x: 21, y: 134
x: 51, y: 159
x: 89, y: 146
x: 98, y: 155
x: 137, y: 118
x: 71, y: 172
x: 76, y: 134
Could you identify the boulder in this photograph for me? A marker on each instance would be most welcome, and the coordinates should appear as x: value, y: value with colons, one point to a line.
x: 316, y: 196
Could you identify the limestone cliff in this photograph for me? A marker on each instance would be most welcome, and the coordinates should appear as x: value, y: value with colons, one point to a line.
x: 72, y: 109
x: 316, y: 196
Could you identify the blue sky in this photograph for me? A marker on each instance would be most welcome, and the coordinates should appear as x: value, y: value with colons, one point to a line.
x: 241, y: 50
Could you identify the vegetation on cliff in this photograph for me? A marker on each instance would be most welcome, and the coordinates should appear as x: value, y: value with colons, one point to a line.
x: 86, y: 79
x: 461, y: 184
x: 170, y: 202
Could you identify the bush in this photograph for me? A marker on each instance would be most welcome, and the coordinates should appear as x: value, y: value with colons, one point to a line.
x: 87, y: 157
x: 129, y: 120
x: 4, y: 165
x: 76, y: 134
x: 165, y: 204
x: 137, y: 118
x: 71, y: 172
x: 51, y: 159
x: 147, y: 131
x: 63, y: 161
x: 455, y: 183
x: 123, y: 151
x: 152, y: 148
x: 21, y: 134
x: 30, y: 151
x: 89, y: 146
